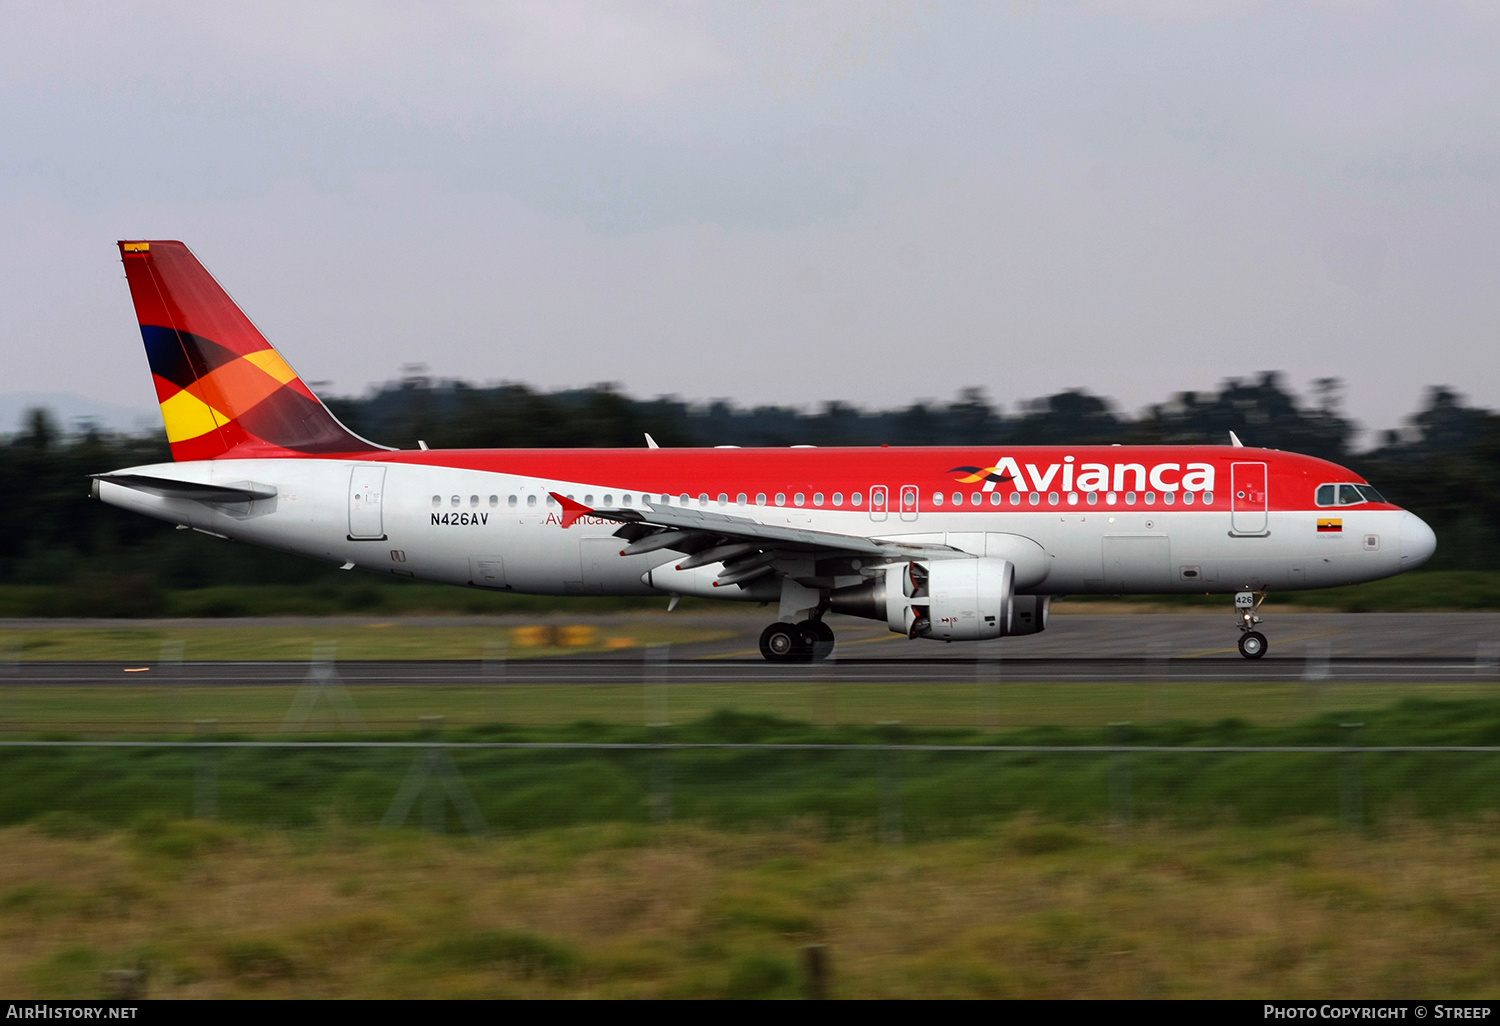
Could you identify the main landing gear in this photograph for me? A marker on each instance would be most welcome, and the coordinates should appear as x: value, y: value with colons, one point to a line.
x: 807, y: 642
x: 1253, y: 643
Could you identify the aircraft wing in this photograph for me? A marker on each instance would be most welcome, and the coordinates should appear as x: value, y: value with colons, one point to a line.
x: 746, y: 548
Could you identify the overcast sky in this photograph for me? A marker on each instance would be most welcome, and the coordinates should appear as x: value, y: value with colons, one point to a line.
x: 771, y: 203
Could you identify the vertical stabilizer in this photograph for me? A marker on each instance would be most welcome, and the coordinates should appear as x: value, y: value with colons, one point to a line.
x: 223, y: 389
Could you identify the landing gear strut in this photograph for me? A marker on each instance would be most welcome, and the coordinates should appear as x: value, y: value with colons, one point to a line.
x: 805, y: 642
x: 1253, y: 643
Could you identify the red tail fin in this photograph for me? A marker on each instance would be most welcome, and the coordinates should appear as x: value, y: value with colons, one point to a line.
x: 223, y: 389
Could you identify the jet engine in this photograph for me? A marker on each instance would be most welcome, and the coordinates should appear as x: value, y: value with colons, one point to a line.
x: 949, y: 599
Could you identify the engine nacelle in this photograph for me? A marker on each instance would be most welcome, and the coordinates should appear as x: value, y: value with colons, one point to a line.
x: 1029, y: 614
x: 949, y: 599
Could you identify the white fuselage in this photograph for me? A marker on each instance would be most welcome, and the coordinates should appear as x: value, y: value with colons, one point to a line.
x: 494, y: 530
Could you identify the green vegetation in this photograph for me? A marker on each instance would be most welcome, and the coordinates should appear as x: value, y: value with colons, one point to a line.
x: 942, y: 793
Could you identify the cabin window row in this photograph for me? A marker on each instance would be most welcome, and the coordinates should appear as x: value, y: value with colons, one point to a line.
x: 1074, y: 498
x: 877, y: 500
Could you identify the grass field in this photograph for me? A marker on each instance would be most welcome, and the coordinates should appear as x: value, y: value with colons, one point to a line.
x: 1026, y: 909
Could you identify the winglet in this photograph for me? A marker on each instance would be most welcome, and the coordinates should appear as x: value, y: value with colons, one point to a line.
x: 571, y: 510
x: 1234, y: 440
x: 651, y: 442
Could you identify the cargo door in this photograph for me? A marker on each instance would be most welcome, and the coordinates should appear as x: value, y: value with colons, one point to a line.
x: 1137, y: 564
x: 1248, y: 501
x: 366, y: 488
x: 487, y: 571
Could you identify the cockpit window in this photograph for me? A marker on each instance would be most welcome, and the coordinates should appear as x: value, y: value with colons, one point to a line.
x: 1346, y: 494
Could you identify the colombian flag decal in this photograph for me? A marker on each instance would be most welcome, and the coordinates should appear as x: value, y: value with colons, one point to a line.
x: 1330, y: 525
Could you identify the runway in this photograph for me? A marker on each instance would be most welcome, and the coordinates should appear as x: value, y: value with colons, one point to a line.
x: 1408, y: 648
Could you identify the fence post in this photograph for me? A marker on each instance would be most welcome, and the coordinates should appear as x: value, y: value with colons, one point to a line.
x: 986, y: 687
x: 1351, y: 784
x: 492, y: 675
x: 658, y: 723
x: 1158, y: 663
x: 169, y: 674
x: 206, y: 785
x: 1316, y: 668
x: 891, y: 826
x: 323, y: 684
x: 1487, y: 660
x: 1121, y: 805
x: 815, y: 959
x: 433, y: 777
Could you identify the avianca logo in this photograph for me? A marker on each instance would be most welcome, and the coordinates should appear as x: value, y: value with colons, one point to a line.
x: 1070, y: 476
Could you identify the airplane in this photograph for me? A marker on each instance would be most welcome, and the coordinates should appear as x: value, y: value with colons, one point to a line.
x: 958, y: 543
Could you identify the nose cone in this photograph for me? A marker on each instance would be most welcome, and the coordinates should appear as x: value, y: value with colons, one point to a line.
x: 1418, y: 543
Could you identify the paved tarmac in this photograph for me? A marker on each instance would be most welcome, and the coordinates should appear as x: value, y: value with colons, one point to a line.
x: 1395, y: 647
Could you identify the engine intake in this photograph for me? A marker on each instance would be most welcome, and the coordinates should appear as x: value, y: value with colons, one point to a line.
x: 950, y: 599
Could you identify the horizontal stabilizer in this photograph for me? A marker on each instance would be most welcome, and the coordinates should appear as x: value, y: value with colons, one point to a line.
x: 240, y: 491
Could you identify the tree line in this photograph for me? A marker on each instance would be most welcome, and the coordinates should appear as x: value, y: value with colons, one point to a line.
x: 1444, y: 464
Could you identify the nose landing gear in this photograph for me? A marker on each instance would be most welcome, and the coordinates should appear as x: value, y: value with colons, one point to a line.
x: 1253, y: 643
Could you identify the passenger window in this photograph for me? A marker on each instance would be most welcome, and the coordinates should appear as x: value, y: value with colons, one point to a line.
x: 473, y: 502
x: 994, y: 498
x: 958, y: 498
x: 817, y: 498
x: 723, y: 499
x: 609, y: 500
x: 781, y: 498
x: 740, y: 499
x: 1168, y: 498
x: 1093, y: 498
x: 838, y: 498
x: 625, y: 500
x: 1208, y: 498
x: 703, y: 498
x: 1130, y: 498
x: 1187, y: 498
x: 760, y: 498
x: 511, y: 502
x: 455, y: 501
x: 1349, y: 495
x: 799, y: 499
x: 685, y: 499
x: 1052, y: 498
x: 437, y: 500
x: 1015, y: 498
x: 494, y: 501
x: 857, y: 498
x: 1151, y: 498
x: 550, y: 500
x: 937, y: 498
x: 531, y: 500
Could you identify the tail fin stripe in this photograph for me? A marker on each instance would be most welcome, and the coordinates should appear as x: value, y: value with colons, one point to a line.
x: 223, y: 389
